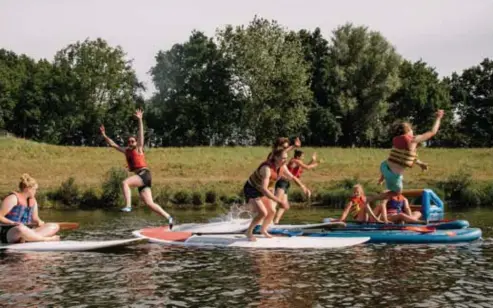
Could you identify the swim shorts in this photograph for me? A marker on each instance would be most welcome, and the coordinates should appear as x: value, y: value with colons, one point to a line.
x: 251, y: 192
x: 145, y: 175
x: 393, y: 181
x: 283, y: 184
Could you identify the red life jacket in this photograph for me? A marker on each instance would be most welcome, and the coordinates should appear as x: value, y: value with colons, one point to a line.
x: 256, y: 179
x: 23, y: 211
x: 294, y: 168
x: 135, y: 160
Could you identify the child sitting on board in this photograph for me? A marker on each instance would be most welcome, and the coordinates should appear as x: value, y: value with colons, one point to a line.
x: 357, y: 207
x: 396, y: 209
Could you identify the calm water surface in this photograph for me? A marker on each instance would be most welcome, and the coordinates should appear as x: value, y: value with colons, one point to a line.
x: 157, y: 276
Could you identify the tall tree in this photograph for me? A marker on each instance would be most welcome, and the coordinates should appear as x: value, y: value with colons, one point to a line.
x: 100, y: 86
x: 364, y: 74
x: 14, y: 71
x: 323, y: 127
x: 472, y: 96
x: 421, y: 94
x: 271, y: 76
x: 195, y: 103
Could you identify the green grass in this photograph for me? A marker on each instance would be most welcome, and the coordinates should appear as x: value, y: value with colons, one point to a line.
x: 223, y: 169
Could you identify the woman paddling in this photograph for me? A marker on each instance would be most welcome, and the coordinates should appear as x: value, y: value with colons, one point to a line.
x: 296, y: 167
x: 260, y: 184
x: 20, y: 209
x: 134, y: 153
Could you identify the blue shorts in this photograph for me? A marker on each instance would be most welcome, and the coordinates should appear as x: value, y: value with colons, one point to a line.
x: 393, y: 181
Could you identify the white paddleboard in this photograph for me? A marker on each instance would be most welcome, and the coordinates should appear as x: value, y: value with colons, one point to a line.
x: 72, y: 245
x: 161, y: 236
x: 234, y: 226
x: 241, y: 225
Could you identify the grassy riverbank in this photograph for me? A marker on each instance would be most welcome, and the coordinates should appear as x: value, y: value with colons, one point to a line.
x: 192, y: 175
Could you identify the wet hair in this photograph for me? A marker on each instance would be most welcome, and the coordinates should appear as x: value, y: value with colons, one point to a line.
x: 401, y: 128
x: 27, y: 182
x: 298, y: 153
x: 279, y: 143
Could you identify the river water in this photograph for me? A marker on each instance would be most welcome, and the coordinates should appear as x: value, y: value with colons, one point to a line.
x: 151, y: 275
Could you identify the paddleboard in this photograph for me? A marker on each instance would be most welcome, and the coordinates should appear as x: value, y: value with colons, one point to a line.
x: 241, y: 225
x: 440, y: 225
x: 72, y: 245
x: 162, y: 236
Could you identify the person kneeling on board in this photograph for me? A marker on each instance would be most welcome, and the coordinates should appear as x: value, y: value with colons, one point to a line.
x: 20, y: 209
x: 357, y: 206
x: 261, y: 184
x: 396, y: 209
x: 296, y: 167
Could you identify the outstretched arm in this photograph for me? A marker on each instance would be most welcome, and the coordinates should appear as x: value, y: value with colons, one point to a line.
x: 109, y: 141
x: 434, y: 130
x: 140, y: 137
x: 297, y: 144
x: 312, y: 164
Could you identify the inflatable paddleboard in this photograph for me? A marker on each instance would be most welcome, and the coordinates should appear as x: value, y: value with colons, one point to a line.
x: 440, y: 225
x: 408, y: 237
x: 162, y: 235
x: 72, y: 245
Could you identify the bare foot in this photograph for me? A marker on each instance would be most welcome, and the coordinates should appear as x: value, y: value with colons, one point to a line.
x: 266, y: 234
x: 250, y: 237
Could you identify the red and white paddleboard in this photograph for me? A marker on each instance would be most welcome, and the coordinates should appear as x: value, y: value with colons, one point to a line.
x: 162, y: 235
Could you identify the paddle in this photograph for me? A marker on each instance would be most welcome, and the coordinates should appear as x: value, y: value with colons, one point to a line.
x: 62, y: 225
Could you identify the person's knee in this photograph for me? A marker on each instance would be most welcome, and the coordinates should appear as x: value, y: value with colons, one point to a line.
x: 22, y: 229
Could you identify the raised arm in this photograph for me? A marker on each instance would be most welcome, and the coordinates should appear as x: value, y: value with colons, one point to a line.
x: 312, y: 164
x: 297, y: 144
x: 140, y: 137
x: 110, y: 142
x: 434, y: 130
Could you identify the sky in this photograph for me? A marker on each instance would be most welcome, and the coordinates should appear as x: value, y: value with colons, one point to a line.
x: 450, y: 35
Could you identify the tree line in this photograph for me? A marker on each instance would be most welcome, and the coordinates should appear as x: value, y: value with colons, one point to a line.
x: 246, y: 85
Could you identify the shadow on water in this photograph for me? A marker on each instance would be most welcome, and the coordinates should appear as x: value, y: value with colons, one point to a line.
x: 151, y: 275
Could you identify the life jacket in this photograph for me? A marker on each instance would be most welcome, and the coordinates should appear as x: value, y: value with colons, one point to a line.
x: 294, y: 168
x: 135, y: 160
x: 256, y: 179
x: 395, y: 205
x: 358, y: 205
x: 401, y: 152
x: 23, y: 211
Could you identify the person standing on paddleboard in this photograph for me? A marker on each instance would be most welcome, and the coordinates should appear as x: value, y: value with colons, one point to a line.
x: 134, y: 153
x: 258, y: 189
x: 296, y: 167
x: 20, y: 209
x: 403, y: 156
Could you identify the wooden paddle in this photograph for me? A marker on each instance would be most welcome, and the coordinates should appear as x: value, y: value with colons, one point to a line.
x: 63, y: 225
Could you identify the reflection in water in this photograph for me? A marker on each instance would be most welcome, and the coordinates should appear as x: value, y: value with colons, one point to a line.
x: 152, y: 275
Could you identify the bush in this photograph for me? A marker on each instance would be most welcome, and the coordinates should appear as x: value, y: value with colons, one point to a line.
x: 455, y: 184
x: 182, y: 197
x: 210, y: 197
x: 336, y: 198
x: 90, y: 199
x: 67, y: 194
x: 297, y: 196
x: 112, y: 187
x: 198, y: 198
x: 163, y: 197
